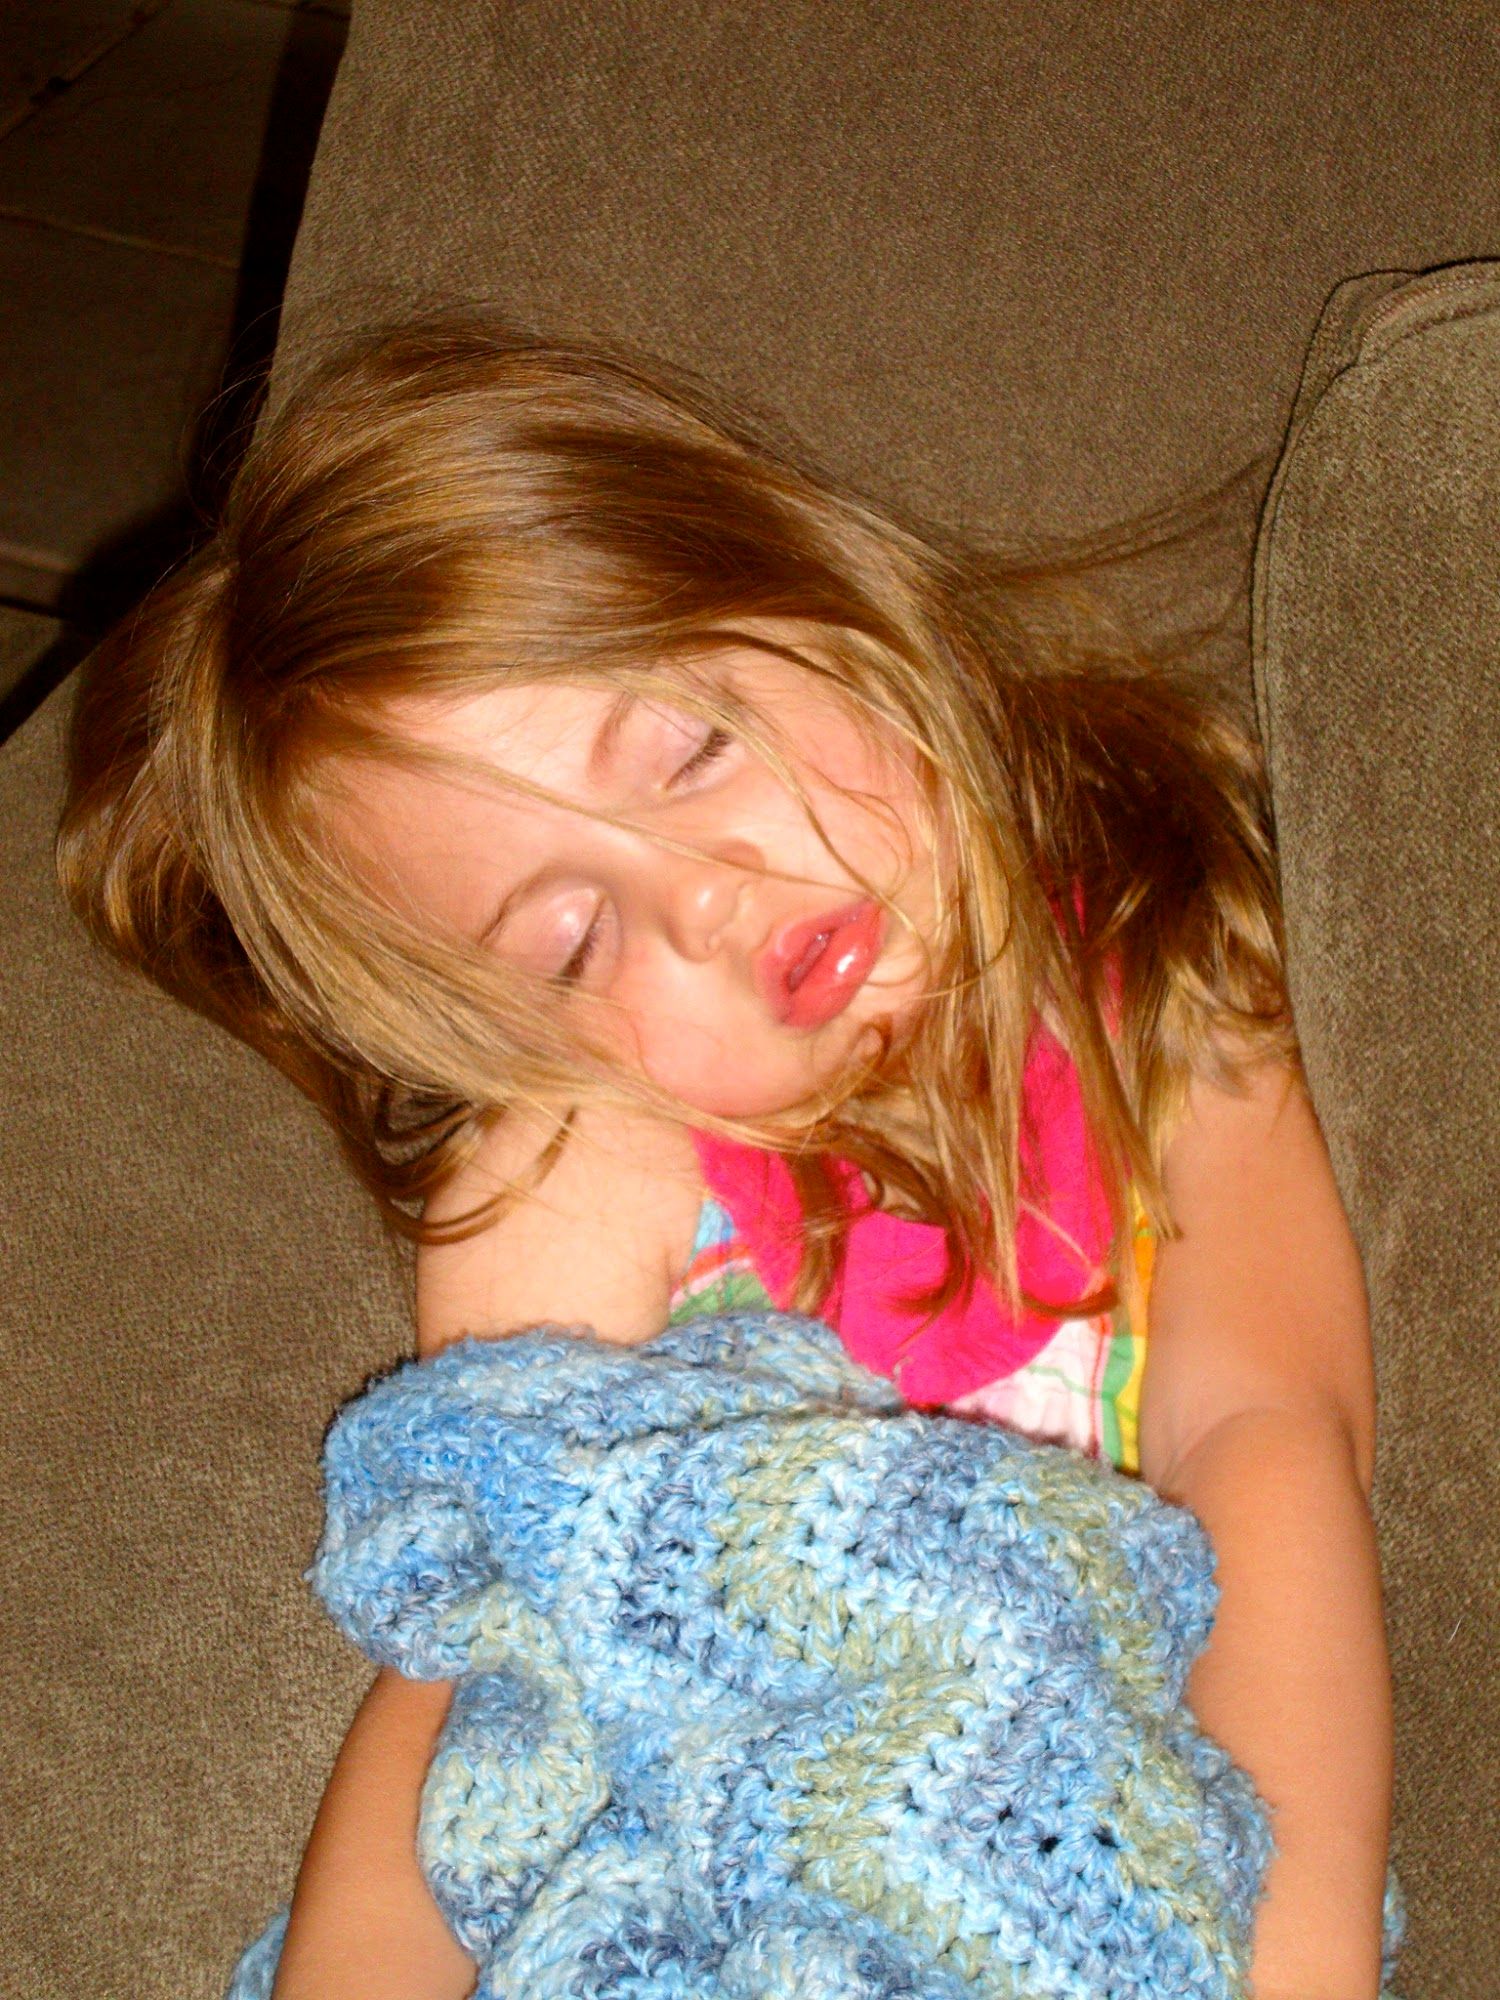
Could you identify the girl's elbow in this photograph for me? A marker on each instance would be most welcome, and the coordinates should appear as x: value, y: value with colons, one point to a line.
x: 1271, y: 1436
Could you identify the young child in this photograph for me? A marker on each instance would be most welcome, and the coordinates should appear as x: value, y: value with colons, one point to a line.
x: 687, y: 887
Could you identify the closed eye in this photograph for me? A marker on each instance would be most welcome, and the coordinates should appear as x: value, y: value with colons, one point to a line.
x: 709, y: 750
x: 571, y: 973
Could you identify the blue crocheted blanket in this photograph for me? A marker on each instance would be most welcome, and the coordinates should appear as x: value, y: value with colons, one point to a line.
x: 769, y: 1687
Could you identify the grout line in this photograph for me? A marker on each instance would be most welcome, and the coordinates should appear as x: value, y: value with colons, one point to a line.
x: 9, y: 601
x: 328, y: 9
x: 42, y: 559
x: 99, y: 234
x: 75, y: 66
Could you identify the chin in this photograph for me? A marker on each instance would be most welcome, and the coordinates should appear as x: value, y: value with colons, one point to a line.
x: 768, y: 1104
x: 783, y: 1098
x: 709, y: 1097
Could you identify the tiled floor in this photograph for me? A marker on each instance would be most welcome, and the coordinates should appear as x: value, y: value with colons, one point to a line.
x: 152, y: 162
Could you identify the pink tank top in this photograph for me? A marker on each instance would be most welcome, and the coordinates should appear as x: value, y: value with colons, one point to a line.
x: 1062, y: 1246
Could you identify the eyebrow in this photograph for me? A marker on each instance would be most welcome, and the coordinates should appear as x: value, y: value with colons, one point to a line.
x: 609, y: 734
x: 597, y: 762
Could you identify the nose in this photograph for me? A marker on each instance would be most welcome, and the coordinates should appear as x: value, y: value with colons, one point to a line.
x: 702, y: 896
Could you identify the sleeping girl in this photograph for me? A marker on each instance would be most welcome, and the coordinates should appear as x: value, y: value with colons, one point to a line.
x: 683, y: 889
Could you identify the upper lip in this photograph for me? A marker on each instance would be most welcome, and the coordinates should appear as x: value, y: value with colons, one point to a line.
x: 794, y: 949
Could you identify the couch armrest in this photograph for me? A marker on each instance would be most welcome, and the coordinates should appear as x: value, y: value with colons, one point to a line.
x: 1377, y: 672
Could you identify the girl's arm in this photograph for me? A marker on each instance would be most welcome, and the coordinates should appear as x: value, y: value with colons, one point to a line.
x: 594, y: 1246
x: 1258, y: 1414
x: 363, y: 1922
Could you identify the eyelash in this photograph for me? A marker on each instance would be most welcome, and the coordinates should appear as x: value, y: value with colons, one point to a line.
x: 576, y: 966
x: 711, y: 748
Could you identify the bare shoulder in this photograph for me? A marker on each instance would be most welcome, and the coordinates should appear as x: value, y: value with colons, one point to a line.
x: 597, y: 1242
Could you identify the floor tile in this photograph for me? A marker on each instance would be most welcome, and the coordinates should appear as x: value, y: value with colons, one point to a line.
x: 31, y: 575
x: 108, y: 360
x: 45, y: 38
x: 36, y: 654
x: 24, y: 637
x: 162, y: 141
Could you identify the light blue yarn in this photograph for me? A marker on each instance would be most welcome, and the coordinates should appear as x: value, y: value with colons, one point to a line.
x: 770, y: 1688
x: 256, y: 1969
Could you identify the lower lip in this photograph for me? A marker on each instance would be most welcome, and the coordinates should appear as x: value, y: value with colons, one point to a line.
x: 839, y: 970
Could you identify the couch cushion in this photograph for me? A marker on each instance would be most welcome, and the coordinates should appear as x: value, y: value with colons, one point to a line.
x: 1378, y: 680
x: 192, y: 1283
x: 1022, y: 269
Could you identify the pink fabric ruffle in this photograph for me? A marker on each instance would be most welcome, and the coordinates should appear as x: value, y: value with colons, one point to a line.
x: 1062, y: 1247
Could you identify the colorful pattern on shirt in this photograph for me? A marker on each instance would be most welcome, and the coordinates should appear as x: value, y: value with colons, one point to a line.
x: 1082, y: 1390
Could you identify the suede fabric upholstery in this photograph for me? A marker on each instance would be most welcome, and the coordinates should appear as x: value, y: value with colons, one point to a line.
x: 1021, y: 270
x: 192, y: 1282
x: 1377, y: 663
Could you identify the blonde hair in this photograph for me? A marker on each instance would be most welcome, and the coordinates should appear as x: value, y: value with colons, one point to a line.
x: 443, y: 509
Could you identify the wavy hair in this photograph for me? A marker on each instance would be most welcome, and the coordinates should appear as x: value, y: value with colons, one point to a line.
x: 441, y: 509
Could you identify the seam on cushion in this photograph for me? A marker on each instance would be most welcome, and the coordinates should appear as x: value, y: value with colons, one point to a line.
x: 1368, y: 350
x: 1382, y: 333
x: 1339, y: 359
x: 1291, y: 486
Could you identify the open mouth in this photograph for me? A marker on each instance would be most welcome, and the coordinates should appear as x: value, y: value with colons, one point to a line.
x: 812, y: 970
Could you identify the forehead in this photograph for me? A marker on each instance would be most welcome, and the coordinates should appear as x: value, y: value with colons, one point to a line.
x: 540, y: 733
x: 435, y: 837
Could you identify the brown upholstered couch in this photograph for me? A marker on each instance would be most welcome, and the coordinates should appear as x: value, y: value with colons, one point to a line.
x: 1026, y: 269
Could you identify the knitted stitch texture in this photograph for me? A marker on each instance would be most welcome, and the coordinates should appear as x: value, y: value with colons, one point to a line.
x: 771, y: 1688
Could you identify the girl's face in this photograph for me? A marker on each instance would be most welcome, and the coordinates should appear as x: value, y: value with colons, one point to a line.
x: 701, y: 928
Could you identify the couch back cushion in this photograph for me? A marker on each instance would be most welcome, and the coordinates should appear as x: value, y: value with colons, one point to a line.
x: 1026, y: 271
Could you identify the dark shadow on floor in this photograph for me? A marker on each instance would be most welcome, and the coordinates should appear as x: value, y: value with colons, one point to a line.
x: 121, y: 570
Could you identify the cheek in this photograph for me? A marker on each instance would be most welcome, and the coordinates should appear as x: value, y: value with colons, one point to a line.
x: 726, y: 1061
x: 873, y: 814
x: 731, y: 1071
x: 686, y: 1058
x: 694, y: 1043
x: 748, y: 1088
